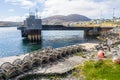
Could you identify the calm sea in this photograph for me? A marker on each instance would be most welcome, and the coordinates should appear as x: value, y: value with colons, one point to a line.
x: 11, y: 42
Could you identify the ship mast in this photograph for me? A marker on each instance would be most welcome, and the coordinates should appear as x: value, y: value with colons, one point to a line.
x: 36, y: 10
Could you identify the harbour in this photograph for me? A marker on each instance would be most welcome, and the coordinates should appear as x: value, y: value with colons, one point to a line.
x: 54, y: 39
x: 59, y: 40
x: 20, y: 66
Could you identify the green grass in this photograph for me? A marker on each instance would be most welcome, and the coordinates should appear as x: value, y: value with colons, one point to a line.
x: 98, y: 70
x: 115, y: 45
x: 79, y: 53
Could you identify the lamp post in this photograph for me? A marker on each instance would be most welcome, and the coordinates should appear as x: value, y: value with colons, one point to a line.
x: 113, y: 14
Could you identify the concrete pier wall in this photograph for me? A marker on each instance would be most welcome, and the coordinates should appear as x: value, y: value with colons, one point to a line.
x: 88, y: 31
x: 33, y: 35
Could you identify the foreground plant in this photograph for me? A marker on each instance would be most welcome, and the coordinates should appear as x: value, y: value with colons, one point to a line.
x: 98, y: 70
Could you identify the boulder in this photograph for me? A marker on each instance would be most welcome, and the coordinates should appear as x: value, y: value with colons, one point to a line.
x: 116, y: 59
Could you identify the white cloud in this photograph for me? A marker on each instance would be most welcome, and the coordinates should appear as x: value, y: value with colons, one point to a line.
x: 88, y: 8
x: 28, y: 4
x: 22, y: 3
x: 12, y: 18
x: 40, y: 1
x: 11, y: 10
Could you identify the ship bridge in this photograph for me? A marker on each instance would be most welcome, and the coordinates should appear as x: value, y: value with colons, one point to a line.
x: 32, y: 22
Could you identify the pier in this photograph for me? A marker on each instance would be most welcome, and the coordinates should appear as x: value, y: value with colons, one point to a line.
x: 32, y: 27
x: 35, y: 34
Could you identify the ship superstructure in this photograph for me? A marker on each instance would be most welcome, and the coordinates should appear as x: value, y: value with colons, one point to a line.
x: 32, y: 28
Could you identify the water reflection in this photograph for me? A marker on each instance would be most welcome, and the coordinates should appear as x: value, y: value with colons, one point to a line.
x: 61, y: 38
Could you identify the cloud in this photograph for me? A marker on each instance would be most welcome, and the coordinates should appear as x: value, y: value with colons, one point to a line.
x: 113, y: 4
x: 12, y: 18
x: 11, y: 10
x: 40, y: 1
x: 28, y: 4
x: 22, y: 3
x: 90, y: 8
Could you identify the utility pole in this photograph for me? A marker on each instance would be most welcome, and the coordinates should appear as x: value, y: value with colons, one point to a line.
x: 113, y: 13
x: 101, y: 15
x: 100, y: 18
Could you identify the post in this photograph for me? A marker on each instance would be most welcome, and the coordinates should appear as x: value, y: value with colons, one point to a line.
x: 85, y: 33
x: 34, y: 35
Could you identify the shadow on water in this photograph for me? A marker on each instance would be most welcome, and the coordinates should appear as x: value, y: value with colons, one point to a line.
x: 31, y: 46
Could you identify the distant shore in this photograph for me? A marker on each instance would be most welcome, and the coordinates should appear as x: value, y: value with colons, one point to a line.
x: 8, y: 26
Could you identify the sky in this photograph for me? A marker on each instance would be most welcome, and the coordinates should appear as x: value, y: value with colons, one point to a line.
x: 18, y: 10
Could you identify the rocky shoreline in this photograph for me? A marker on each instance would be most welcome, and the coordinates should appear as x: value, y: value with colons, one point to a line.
x: 110, y: 46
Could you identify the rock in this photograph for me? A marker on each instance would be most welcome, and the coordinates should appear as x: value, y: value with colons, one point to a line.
x: 116, y: 60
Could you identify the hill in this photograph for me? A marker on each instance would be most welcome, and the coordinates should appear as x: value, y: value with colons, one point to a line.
x: 53, y: 20
x: 60, y: 19
x: 9, y: 24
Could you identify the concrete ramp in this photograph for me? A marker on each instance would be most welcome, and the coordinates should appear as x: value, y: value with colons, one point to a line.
x: 59, y: 68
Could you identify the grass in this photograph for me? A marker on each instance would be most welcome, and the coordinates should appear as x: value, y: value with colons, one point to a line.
x: 90, y: 70
x: 98, y: 70
x: 115, y: 45
x: 79, y: 53
x: 82, y: 54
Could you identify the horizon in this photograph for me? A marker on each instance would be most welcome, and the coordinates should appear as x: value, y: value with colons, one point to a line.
x: 18, y: 10
x: 64, y: 15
